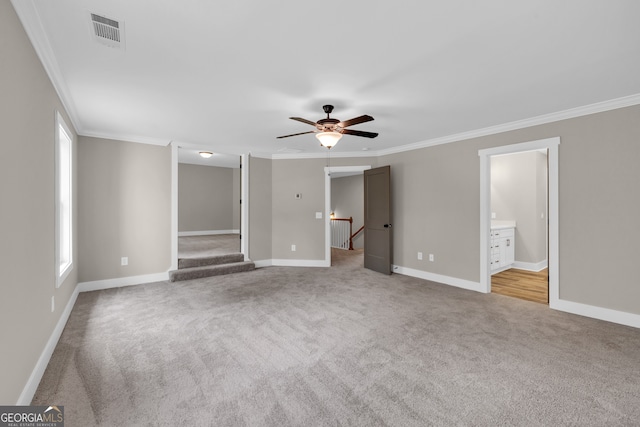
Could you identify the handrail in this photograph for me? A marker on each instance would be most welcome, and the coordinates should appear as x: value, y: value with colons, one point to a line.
x: 357, y: 232
x: 350, y: 219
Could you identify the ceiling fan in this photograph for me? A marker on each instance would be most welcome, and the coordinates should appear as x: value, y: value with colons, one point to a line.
x: 329, y: 131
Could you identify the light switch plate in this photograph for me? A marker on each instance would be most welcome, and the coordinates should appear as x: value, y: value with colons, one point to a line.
x: 318, y: 215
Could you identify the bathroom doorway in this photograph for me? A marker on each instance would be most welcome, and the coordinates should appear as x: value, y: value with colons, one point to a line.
x: 551, y: 147
x: 519, y: 229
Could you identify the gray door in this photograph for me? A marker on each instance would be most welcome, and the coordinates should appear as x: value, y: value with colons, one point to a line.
x: 377, y: 219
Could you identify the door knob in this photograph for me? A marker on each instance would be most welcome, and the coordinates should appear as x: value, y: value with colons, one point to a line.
x: 387, y: 226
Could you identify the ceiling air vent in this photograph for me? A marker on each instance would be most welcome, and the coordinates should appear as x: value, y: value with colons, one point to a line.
x: 109, y: 32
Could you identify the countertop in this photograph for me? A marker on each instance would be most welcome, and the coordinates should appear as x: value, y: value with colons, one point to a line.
x: 501, y: 224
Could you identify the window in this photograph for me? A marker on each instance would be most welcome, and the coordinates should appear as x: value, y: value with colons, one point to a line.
x: 64, y: 200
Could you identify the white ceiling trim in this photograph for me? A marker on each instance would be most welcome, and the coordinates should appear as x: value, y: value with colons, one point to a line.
x: 599, y: 107
x: 127, y: 138
x: 333, y: 155
x: 28, y: 14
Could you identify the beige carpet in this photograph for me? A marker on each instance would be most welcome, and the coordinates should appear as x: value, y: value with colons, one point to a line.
x: 342, y: 346
x: 205, y: 246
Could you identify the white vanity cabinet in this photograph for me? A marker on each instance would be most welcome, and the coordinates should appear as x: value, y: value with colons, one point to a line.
x: 503, y: 248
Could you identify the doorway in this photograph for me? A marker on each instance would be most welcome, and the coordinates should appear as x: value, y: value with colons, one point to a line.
x: 335, y: 172
x: 518, y: 260
x: 551, y: 146
x: 207, y: 216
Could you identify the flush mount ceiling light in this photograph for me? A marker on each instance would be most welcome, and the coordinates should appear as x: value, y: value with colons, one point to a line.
x: 328, y: 139
x: 206, y: 154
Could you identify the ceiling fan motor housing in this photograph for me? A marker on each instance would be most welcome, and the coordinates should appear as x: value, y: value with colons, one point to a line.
x: 327, y: 124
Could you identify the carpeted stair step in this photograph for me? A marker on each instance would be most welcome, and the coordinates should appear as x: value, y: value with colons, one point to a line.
x: 210, y: 270
x: 210, y: 260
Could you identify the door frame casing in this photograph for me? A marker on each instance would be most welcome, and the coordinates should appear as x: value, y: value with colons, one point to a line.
x: 244, y: 208
x: 327, y: 203
x: 551, y: 145
x: 244, y: 205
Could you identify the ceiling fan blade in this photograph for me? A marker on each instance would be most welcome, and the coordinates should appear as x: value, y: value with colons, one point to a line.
x: 295, y: 134
x: 357, y: 120
x: 359, y: 133
x: 300, y: 119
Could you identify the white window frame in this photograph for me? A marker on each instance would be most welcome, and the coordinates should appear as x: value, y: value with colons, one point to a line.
x: 64, y: 199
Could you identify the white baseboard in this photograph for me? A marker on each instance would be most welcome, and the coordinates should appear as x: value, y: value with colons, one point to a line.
x: 606, y: 314
x: 601, y: 313
x: 97, y: 285
x: 530, y: 266
x: 501, y: 269
x: 447, y: 280
x: 263, y: 263
x: 38, y: 371
x: 300, y: 263
x: 206, y: 233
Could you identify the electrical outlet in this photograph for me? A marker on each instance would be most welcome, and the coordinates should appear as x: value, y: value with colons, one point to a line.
x: 431, y: 257
x: 420, y: 256
x: 318, y: 215
x: 493, y: 215
x: 124, y: 260
x: 293, y: 248
x: 53, y: 304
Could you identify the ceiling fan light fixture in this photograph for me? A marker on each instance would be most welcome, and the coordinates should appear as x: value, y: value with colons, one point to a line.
x: 328, y: 139
x: 206, y: 154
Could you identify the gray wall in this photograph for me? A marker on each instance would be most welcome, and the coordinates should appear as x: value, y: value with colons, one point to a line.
x: 260, y: 209
x: 27, y: 112
x: 347, y: 200
x: 294, y: 220
x: 518, y: 192
x: 124, y: 203
x: 435, y: 193
x: 124, y: 207
x: 207, y: 198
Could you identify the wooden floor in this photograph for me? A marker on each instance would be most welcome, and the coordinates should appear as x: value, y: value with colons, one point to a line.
x: 528, y: 285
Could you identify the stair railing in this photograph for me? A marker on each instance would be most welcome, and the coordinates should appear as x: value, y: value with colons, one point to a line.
x: 353, y: 236
x: 342, y: 233
x: 341, y: 229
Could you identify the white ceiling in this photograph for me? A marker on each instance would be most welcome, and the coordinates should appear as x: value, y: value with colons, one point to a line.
x: 227, y: 75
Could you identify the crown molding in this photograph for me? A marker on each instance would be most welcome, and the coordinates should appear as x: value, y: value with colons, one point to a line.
x: 599, y: 107
x: 32, y: 23
x: 332, y: 154
x: 293, y: 156
x: 126, y: 138
x: 30, y: 19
